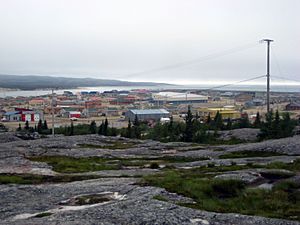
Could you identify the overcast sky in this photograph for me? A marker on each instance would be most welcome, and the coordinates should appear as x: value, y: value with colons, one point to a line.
x: 118, y: 39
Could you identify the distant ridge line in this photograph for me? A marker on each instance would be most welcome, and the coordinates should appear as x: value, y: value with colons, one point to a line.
x: 32, y: 82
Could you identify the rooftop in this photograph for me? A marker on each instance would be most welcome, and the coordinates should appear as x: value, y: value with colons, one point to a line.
x: 149, y: 111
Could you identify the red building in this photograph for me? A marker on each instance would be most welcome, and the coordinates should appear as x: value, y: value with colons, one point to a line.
x: 29, y: 115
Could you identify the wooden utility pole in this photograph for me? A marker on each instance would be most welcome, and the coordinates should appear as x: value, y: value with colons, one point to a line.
x: 52, y: 109
x: 268, y: 72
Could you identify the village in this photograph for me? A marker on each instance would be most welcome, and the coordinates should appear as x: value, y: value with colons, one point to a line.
x: 118, y: 107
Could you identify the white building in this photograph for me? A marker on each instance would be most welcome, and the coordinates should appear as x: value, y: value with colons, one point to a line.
x: 178, y: 98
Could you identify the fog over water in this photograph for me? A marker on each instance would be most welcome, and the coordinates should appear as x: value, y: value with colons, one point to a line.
x: 277, y: 88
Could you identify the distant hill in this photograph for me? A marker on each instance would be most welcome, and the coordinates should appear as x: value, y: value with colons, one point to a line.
x: 30, y: 82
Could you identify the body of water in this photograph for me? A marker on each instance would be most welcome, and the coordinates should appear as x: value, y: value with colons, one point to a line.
x: 274, y: 88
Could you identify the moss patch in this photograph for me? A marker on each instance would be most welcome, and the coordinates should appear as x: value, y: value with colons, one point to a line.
x: 39, y: 179
x: 249, y: 154
x: 65, y: 164
x: 230, y: 196
x: 110, y: 145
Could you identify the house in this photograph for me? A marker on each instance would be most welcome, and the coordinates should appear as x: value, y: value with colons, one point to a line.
x: 12, y: 116
x: 74, y: 114
x: 23, y: 115
x: 292, y: 106
x: 147, y: 114
x: 244, y: 97
x: 36, y: 102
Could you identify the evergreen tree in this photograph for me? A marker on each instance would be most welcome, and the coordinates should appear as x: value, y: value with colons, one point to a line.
x: 208, y: 120
x: 113, y: 131
x: 269, y: 119
x: 136, y: 127
x: 72, y: 129
x: 171, y: 130
x: 136, y: 121
x: 101, y: 127
x: 19, y: 128
x: 244, y: 121
x: 275, y: 128
x: 197, y: 116
x: 266, y: 127
x: 105, y: 127
x: 218, y: 121
x: 45, y: 125
x: 129, y: 130
x: 257, y: 122
x: 287, y: 125
x: 229, y: 124
x: 26, y: 125
x: 40, y: 126
x: 93, y: 127
x: 188, y: 134
x: 170, y: 126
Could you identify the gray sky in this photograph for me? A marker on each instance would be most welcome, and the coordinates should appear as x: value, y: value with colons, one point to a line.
x: 115, y: 38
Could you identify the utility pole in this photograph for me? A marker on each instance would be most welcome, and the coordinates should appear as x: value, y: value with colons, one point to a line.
x: 52, y: 109
x: 268, y: 72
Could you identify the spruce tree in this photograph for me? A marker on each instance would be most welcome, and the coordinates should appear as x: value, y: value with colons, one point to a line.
x: 218, y: 121
x: 171, y: 130
x: 100, y: 130
x: 136, y: 127
x: 93, y: 127
x: 257, y: 122
x: 40, y: 126
x: 188, y: 134
x: 105, y: 127
x: 136, y: 121
x: 72, y: 129
x: 26, y: 125
x: 244, y: 121
x: 266, y: 127
x: 287, y: 125
x: 45, y: 125
x: 129, y: 131
x: 275, y: 128
x: 208, y: 120
x: 19, y: 128
x: 229, y: 124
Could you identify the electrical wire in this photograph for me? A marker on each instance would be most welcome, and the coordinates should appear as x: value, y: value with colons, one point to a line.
x: 238, y: 82
x: 190, y: 62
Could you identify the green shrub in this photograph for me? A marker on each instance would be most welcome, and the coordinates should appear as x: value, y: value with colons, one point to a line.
x: 154, y: 165
x: 227, y: 188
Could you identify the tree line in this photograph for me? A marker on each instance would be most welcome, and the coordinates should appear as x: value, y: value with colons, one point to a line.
x: 192, y: 129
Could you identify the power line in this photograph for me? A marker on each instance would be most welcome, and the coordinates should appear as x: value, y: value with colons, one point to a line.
x: 238, y: 82
x: 284, y: 78
x: 194, y: 61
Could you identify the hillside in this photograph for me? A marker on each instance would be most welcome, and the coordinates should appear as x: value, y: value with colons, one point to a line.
x: 92, y: 179
x: 31, y: 82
